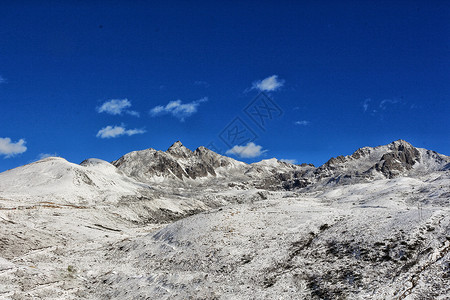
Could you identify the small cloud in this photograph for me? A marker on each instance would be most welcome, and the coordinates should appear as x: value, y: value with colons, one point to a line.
x: 9, y: 149
x: 248, y: 151
x: 366, y: 104
x: 117, y: 107
x: 43, y: 155
x: 201, y: 83
x: 268, y: 84
x: 384, y: 108
x: 302, y: 123
x: 46, y: 155
x: 289, y: 161
x: 116, y: 131
x: 133, y: 113
x: 2, y: 79
x: 178, y: 109
x: 386, y: 102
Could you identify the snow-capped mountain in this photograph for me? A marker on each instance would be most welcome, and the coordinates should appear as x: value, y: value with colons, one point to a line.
x: 182, y: 224
x: 56, y: 178
x: 366, y: 164
x: 178, y: 162
x: 143, y: 174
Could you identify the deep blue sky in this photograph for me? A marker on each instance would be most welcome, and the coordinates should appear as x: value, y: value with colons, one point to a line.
x: 351, y: 74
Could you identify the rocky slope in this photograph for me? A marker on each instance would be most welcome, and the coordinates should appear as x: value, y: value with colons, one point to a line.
x: 368, y: 241
x: 179, y: 166
x: 366, y: 164
x: 178, y: 162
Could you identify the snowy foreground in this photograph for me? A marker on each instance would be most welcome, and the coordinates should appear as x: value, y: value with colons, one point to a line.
x: 381, y: 239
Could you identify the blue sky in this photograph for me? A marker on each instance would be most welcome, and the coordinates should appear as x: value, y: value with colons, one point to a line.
x: 82, y: 80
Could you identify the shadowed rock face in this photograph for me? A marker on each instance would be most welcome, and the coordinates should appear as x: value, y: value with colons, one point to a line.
x: 179, y: 150
x: 165, y: 163
x: 402, y: 158
x: 200, y: 170
x: 211, y: 158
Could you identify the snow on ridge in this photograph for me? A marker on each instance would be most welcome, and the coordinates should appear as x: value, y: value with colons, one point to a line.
x: 234, y: 239
x: 56, y: 177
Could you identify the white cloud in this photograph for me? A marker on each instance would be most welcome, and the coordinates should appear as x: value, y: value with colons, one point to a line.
x: 116, y: 131
x: 268, y: 84
x: 178, y: 109
x: 117, y: 107
x: 366, y: 104
x: 248, y: 151
x: 303, y: 123
x: 46, y: 155
x: 2, y: 79
x: 289, y: 161
x: 384, y: 103
x: 9, y: 149
x: 133, y: 113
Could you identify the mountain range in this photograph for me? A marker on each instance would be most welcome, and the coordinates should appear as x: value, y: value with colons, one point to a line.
x: 178, y: 223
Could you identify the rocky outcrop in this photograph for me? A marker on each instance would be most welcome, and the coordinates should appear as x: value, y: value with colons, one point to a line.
x: 402, y: 158
x: 388, y: 161
x: 179, y: 150
x: 178, y: 162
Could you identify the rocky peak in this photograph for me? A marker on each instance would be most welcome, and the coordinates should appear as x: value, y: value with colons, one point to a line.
x: 179, y: 150
x: 361, y: 152
x: 402, y: 157
x: 212, y: 158
x: 400, y: 145
x: 336, y: 160
x: 203, y: 151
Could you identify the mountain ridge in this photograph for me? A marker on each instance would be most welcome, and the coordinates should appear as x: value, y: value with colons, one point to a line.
x: 368, y: 163
x: 370, y: 225
x: 180, y: 165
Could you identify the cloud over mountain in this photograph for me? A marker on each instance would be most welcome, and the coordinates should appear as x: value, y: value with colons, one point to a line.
x: 116, y: 131
x: 248, y: 151
x: 178, y: 109
x: 9, y: 148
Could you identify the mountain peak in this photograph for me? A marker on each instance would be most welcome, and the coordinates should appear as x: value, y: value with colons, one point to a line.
x: 177, y: 144
x: 401, y: 144
x: 202, y: 149
x: 178, y: 149
x: 205, y: 151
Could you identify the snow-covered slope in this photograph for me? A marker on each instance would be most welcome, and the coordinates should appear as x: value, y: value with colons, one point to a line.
x: 56, y: 178
x: 385, y: 240
x: 184, y: 224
